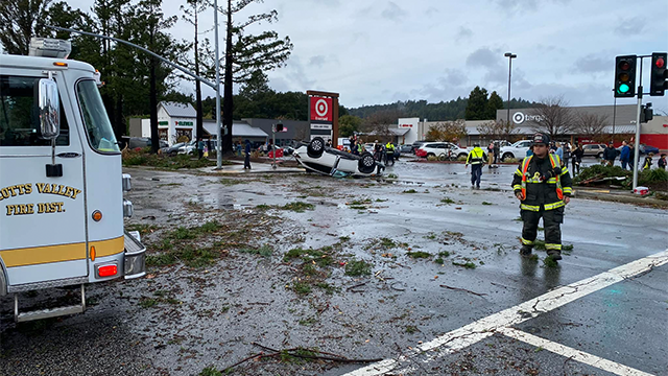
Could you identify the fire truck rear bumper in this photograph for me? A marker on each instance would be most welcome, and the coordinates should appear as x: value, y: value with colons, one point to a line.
x: 134, y: 258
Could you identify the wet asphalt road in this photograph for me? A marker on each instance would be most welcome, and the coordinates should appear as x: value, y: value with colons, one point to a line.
x: 223, y: 309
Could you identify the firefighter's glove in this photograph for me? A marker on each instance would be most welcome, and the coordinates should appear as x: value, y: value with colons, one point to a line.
x: 550, y: 174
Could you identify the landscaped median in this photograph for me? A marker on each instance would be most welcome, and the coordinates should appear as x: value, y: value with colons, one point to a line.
x: 615, y: 184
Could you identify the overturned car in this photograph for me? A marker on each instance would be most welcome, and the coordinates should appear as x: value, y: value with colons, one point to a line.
x: 317, y: 157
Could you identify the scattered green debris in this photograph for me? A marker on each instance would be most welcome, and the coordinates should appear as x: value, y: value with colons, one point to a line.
x: 444, y: 254
x: 410, y: 191
x: 308, y: 321
x: 430, y: 236
x: 439, y: 261
x: 487, y: 203
x: 301, y: 288
x: 148, y: 302
x: 550, y: 262
x: 344, y: 238
x: 418, y: 255
x: 392, y: 176
x: 467, y: 265
x: 298, y: 206
x: 228, y: 182
x: 357, y: 268
x: 358, y: 207
x: 387, y: 243
x: 210, y: 371
x: 411, y: 329
x: 381, y: 200
x: 264, y: 251
x: 447, y: 200
x: 143, y: 228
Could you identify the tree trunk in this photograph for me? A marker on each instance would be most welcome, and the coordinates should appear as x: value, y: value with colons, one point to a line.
x: 119, y: 124
x: 227, y: 100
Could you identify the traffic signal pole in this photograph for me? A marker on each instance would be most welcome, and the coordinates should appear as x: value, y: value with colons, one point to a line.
x: 636, y: 155
x: 636, y: 144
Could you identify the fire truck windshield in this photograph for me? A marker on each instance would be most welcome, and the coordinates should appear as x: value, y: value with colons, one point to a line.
x: 98, y: 128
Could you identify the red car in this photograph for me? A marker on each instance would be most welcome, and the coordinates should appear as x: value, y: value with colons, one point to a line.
x: 279, y: 153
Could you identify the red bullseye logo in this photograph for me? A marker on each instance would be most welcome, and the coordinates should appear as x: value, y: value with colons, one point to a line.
x: 321, y: 109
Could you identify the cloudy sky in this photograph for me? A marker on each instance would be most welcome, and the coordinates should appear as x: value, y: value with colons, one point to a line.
x: 380, y: 51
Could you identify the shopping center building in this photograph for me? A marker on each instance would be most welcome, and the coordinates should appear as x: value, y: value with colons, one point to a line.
x: 620, y: 122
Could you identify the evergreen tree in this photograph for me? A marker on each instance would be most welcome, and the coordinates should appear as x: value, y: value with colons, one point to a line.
x: 477, y: 104
x: 246, y: 53
x: 494, y: 103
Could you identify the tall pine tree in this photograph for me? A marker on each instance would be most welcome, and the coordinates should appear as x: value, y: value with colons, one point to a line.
x: 477, y: 104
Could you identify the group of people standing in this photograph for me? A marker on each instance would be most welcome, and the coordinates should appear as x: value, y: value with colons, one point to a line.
x: 627, y: 157
x: 385, y: 153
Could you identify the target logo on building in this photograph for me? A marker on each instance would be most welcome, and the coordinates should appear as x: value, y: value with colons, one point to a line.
x: 518, y: 118
x: 321, y: 108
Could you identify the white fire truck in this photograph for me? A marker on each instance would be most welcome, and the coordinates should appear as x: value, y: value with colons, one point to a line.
x: 61, y: 183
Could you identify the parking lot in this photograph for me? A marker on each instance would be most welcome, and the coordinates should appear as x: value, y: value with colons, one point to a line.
x: 418, y: 273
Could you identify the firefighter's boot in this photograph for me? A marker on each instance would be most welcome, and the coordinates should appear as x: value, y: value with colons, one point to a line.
x: 554, y: 255
x: 525, y: 251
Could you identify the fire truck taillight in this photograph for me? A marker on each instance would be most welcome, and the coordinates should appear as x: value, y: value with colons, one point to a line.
x: 107, y: 270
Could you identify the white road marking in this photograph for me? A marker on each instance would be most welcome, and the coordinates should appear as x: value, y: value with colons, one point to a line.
x: 568, y: 352
x: 468, y: 335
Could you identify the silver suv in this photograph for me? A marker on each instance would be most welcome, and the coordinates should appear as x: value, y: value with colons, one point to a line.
x: 593, y: 150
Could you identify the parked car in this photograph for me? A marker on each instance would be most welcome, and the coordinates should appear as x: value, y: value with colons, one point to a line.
x: 517, y: 150
x: 172, y: 150
x: 646, y: 149
x: 406, y: 148
x: 187, y: 148
x: 416, y: 145
x: 444, y: 150
x: 317, y: 157
x: 593, y: 150
x: 141, y: 142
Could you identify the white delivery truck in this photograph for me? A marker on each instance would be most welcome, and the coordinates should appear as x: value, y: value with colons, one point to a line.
x: 61, y: 183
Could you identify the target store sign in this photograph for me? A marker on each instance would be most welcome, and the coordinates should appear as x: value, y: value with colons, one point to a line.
x: 321, y: 109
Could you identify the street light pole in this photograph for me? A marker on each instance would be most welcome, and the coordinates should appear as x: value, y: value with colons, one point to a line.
x: 510, y: 57
x: 219, y: 130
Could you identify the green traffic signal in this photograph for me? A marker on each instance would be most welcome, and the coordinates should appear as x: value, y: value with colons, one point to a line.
x: 623, y: 88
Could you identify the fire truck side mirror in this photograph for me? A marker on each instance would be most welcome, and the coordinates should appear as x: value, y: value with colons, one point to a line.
x: 49, y: 109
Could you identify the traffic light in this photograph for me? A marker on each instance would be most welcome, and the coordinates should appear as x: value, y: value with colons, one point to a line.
x: 625, y: 76
x: 646, y: 113
x: 279, y: 127
x: 657, y: 83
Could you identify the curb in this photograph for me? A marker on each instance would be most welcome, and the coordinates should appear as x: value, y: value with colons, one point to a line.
x: 621, y: 198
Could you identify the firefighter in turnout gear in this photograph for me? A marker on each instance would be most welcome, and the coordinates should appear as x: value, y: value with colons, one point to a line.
x: 543, y: 187
x: 476, y: 159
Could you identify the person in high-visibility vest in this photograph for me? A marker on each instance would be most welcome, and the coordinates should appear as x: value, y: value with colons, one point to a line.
x: 476, y: 159
x: 389, y: 153
x: 543, y: 187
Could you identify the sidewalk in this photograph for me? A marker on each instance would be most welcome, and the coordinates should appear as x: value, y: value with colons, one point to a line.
x: 263, y: 168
